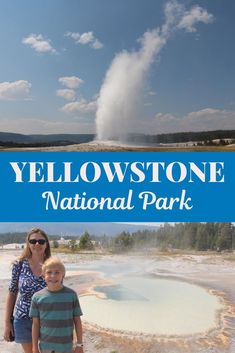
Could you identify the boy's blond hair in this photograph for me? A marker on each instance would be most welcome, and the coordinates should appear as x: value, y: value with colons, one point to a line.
x: 53, y: 261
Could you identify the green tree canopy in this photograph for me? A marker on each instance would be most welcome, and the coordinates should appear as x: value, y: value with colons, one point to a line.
x: 85, y: 242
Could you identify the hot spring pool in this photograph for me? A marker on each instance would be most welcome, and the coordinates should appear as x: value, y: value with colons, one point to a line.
x: 150, y: 305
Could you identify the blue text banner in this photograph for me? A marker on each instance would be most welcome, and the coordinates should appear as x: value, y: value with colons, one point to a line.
x: 117, y: 186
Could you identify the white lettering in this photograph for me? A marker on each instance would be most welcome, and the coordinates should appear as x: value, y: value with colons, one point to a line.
x: 56, y: 202
x: 216, y: 169
x: 165, y: 203
x: 96, y: 172
x: 18, y: 171
x: 117, y: 171
x: 182, y: 172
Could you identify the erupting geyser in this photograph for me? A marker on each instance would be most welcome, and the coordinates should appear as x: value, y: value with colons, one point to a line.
x: 120, y: 94
x: 119, y: 102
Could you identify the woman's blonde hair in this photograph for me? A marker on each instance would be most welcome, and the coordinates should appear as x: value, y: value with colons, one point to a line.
x: 27, y: 254
x: 53, y: 261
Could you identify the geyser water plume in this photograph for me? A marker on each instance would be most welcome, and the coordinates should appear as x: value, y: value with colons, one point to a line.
x: 119, y: 102
x: 120, y: 94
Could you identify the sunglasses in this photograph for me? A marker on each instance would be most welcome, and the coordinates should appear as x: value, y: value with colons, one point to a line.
x: 39, y: 241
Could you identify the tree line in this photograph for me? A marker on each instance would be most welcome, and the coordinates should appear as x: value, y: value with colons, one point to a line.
x: 186, y: 236
x: 177, y: 137
x: 17, y: 237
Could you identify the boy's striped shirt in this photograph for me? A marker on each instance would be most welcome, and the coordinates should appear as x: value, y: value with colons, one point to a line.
x: 56, y: 311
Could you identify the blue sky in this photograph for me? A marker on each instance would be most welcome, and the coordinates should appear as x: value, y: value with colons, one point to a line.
x: 74, y: 66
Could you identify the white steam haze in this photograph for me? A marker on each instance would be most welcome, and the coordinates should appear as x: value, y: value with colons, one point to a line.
x: 120, y: 96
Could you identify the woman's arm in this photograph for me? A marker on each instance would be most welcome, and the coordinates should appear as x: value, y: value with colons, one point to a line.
x: 10, y: 303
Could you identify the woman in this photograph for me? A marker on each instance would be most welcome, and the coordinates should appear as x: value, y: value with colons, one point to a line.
x: 26, y: 280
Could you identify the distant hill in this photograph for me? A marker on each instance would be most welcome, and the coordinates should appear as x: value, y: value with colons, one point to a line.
x: 8, y: 138
x: 12, y: 139
x: 72, y: 229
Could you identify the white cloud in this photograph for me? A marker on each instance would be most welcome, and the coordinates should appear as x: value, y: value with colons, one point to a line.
x: 74, y: 35
x: 203, y: 120
x: 40, y: 44
x: 68, y: 94
x: 79, y: 106
x: 71, y: 82
x: 85, y: 38
x: 17, y: 90
x: 97, y: 44
x: 195, y: 15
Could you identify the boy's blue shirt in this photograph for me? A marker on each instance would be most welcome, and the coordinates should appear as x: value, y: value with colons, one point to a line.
x: 56, y: 311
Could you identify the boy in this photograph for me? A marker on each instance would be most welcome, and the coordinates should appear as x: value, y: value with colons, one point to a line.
x: 55, y: 311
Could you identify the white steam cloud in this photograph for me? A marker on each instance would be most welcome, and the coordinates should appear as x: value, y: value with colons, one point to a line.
x: 121, y: 92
